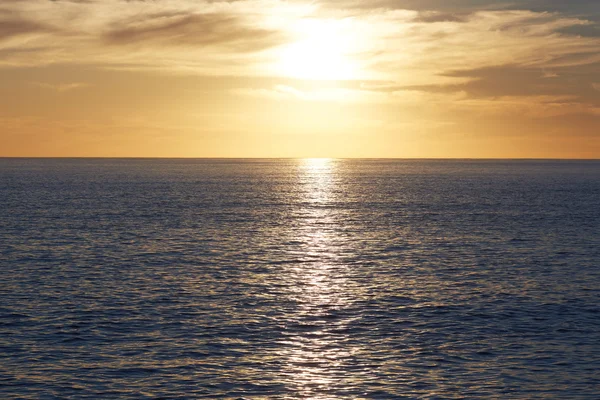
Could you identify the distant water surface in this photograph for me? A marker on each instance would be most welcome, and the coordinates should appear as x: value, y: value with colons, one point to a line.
x: 299, y: 279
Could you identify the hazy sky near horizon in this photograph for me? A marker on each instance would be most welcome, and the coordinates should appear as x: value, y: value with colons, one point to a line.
x: 329, y: 78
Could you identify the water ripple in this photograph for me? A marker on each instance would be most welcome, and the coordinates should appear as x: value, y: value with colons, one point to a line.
x: 289, y: 279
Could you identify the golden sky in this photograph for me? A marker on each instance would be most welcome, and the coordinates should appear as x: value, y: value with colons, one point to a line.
x: 329, y: 78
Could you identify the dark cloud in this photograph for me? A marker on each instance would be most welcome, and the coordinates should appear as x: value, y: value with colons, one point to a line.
x: 582, y: 59
x: 8, y: 52
x: 18, y: 27
x: 442, y: 6
x: 432, y: 16
x: 192, y: 30
x: 528, y: 25
x: 592, y: 30
x: 514, y: 80
x: 585, y: 8
x: 13, y: 24
x: 72, y: 1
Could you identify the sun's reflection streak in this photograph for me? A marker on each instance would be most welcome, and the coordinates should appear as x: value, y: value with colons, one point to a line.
x: 315, y: 348
x: 317, y: 178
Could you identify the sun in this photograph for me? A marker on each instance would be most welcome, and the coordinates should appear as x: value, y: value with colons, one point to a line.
x: 322, y: 52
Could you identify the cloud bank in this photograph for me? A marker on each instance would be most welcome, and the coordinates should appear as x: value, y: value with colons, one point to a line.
x: 440, y: 58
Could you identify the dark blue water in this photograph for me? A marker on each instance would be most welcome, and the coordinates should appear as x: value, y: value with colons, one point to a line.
x: 292, y: 279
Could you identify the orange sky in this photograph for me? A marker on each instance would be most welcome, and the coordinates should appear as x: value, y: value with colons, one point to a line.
x: 267, y: 78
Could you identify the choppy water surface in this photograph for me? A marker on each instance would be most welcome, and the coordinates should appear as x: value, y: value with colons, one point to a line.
x: 299, y: 279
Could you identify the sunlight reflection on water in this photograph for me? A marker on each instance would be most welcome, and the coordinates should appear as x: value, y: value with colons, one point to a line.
x: 317, y: 178
x: 316, y: 348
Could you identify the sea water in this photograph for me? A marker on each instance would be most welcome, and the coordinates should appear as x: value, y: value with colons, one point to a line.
x: 299, y: 279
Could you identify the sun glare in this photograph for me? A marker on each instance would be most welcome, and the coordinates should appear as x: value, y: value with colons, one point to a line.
x: 317, y: 164
x: 320, y: 53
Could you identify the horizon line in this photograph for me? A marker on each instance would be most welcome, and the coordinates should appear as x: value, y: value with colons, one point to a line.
x: 301, y: 158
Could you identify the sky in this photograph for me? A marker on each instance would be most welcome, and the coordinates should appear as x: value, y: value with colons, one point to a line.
x: 328, y: 78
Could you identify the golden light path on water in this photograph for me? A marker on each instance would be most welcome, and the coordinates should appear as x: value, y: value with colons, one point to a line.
x: 315, y: 350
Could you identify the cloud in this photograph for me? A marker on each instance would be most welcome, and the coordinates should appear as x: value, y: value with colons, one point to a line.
x: 507, y: 89
x: 61, y: 87
x: 178, y: 29
x: 409, y: 43
x: 327, y: 94
x: 529, y: 106
x: 591, y: 29
x: 515, y: 80
x: 435, y: 16
x: 572, y: 7
x: 200, y: 37
x: 12, y: 25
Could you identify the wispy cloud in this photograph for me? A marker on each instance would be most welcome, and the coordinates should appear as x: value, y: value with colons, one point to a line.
x: 327, y: 94
x: 573, y: 7
x: 480, y: 50
x: 194, y: 30
x: 61, y: 87
x: 14, y: 24
x: 436, y: 16
x: 180, y: 34
x: 402, y: 39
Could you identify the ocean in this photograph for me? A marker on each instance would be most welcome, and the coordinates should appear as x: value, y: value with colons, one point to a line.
x: 299, y: 279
